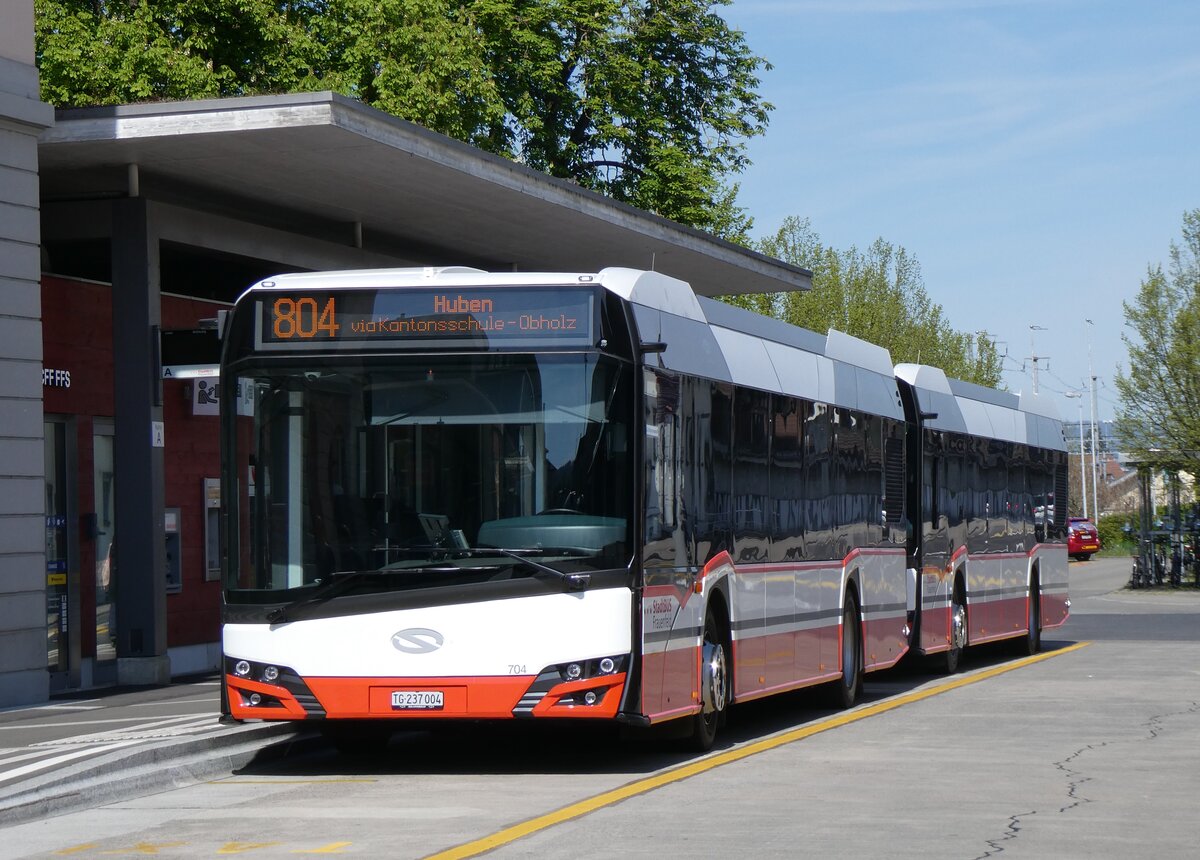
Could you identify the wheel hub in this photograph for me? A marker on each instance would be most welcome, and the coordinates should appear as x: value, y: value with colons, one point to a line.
x: 712, y: 682
x: 958, y: 633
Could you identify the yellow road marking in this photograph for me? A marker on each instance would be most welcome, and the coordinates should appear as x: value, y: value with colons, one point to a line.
x: 331, y: 848
x: 641, y: 786
x: 146, y: 848
x: 243, y: 847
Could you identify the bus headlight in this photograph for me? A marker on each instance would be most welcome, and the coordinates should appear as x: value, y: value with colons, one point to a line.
x: 242, y: 669
x: 582, y: 670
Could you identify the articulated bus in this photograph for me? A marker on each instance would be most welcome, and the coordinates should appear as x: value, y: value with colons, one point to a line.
x: 455, y: 495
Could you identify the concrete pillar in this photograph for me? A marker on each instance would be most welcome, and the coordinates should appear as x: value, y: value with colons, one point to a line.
x: 23, y: 675
x: 138, y: 438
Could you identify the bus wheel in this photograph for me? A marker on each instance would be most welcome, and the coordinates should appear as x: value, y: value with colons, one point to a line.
x: 848, y: 688
x: 714, y: 685
x: 1031, y: 642
x: 958, y: 630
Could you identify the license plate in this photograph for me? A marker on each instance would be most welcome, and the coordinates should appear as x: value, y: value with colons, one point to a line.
x: 418, y: 700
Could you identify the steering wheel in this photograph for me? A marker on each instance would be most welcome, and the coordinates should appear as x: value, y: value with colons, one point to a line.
x: 570, y: 504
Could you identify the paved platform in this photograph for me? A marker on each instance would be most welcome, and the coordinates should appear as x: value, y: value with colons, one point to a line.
x: 78, y: 749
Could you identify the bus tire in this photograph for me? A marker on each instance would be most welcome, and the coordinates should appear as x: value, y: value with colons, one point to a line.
x: 714, y: 683
x: 848, y: 688
x: 958, y: 628
x: 1031, y: 642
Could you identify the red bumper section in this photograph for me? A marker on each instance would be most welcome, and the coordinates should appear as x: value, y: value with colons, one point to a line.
x: 588, y: 689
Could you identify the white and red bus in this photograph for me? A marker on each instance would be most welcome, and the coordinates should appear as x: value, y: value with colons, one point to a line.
x: 455, y: 495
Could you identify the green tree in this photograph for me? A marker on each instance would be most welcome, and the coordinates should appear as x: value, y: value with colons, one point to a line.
x: 421, y: 60
x: 648, y: 101
x: 100, y: 52
x: 877, y: 295
x: 1158, y: 418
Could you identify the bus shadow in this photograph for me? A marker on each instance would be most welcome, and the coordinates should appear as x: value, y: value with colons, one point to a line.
x: 564, y: 747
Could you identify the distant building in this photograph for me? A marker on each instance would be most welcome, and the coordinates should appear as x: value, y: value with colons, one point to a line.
x: 25, y: 531
x: 1106, y: 440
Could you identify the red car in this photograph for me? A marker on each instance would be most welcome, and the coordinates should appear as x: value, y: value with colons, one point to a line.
x: 1082, y: 538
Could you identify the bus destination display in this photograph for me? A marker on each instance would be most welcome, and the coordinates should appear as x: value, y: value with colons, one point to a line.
x: 391, y: 319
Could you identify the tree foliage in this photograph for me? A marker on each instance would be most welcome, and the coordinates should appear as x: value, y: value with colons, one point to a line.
x: 99, y: 52
x: 876, y: 295
x: 421, y: 60
x: 1111, y: 495
x: 1158, y: 418
x: 648, y: 101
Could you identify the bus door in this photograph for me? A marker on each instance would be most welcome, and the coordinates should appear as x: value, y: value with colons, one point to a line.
x: 937, y: 578
x: 677, y: 418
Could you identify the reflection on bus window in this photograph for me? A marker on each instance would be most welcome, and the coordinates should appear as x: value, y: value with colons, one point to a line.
x: 378, y: 469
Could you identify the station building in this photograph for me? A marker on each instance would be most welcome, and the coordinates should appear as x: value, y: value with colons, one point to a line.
x: 124, y: 231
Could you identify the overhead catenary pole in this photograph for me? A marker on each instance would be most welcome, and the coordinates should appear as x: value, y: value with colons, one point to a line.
x: 1095, y: 450
x: 1033, y: 356
x: 1078, y: 395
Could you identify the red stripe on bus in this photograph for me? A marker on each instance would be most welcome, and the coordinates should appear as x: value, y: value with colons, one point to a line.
x: 464, y: 697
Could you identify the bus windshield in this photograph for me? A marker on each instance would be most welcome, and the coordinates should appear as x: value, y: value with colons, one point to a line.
x: 412, y: 471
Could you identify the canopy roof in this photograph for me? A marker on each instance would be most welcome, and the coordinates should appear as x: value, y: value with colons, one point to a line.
x: 337, y: 166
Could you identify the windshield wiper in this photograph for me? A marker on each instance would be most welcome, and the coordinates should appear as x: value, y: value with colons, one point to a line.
x: 570, y: 581
x: 342, y: 581
x: 337, y: 583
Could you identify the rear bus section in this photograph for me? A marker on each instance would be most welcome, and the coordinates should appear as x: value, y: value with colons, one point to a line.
x: 989, y: 486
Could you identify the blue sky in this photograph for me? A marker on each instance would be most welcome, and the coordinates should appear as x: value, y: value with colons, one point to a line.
x: 1036, y: 156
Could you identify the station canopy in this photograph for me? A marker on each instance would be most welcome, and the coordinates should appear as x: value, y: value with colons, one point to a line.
x: 320, y: 164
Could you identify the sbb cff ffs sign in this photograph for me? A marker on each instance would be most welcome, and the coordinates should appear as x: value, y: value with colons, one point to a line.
x: 54, y: 378
x: 392, y: 319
